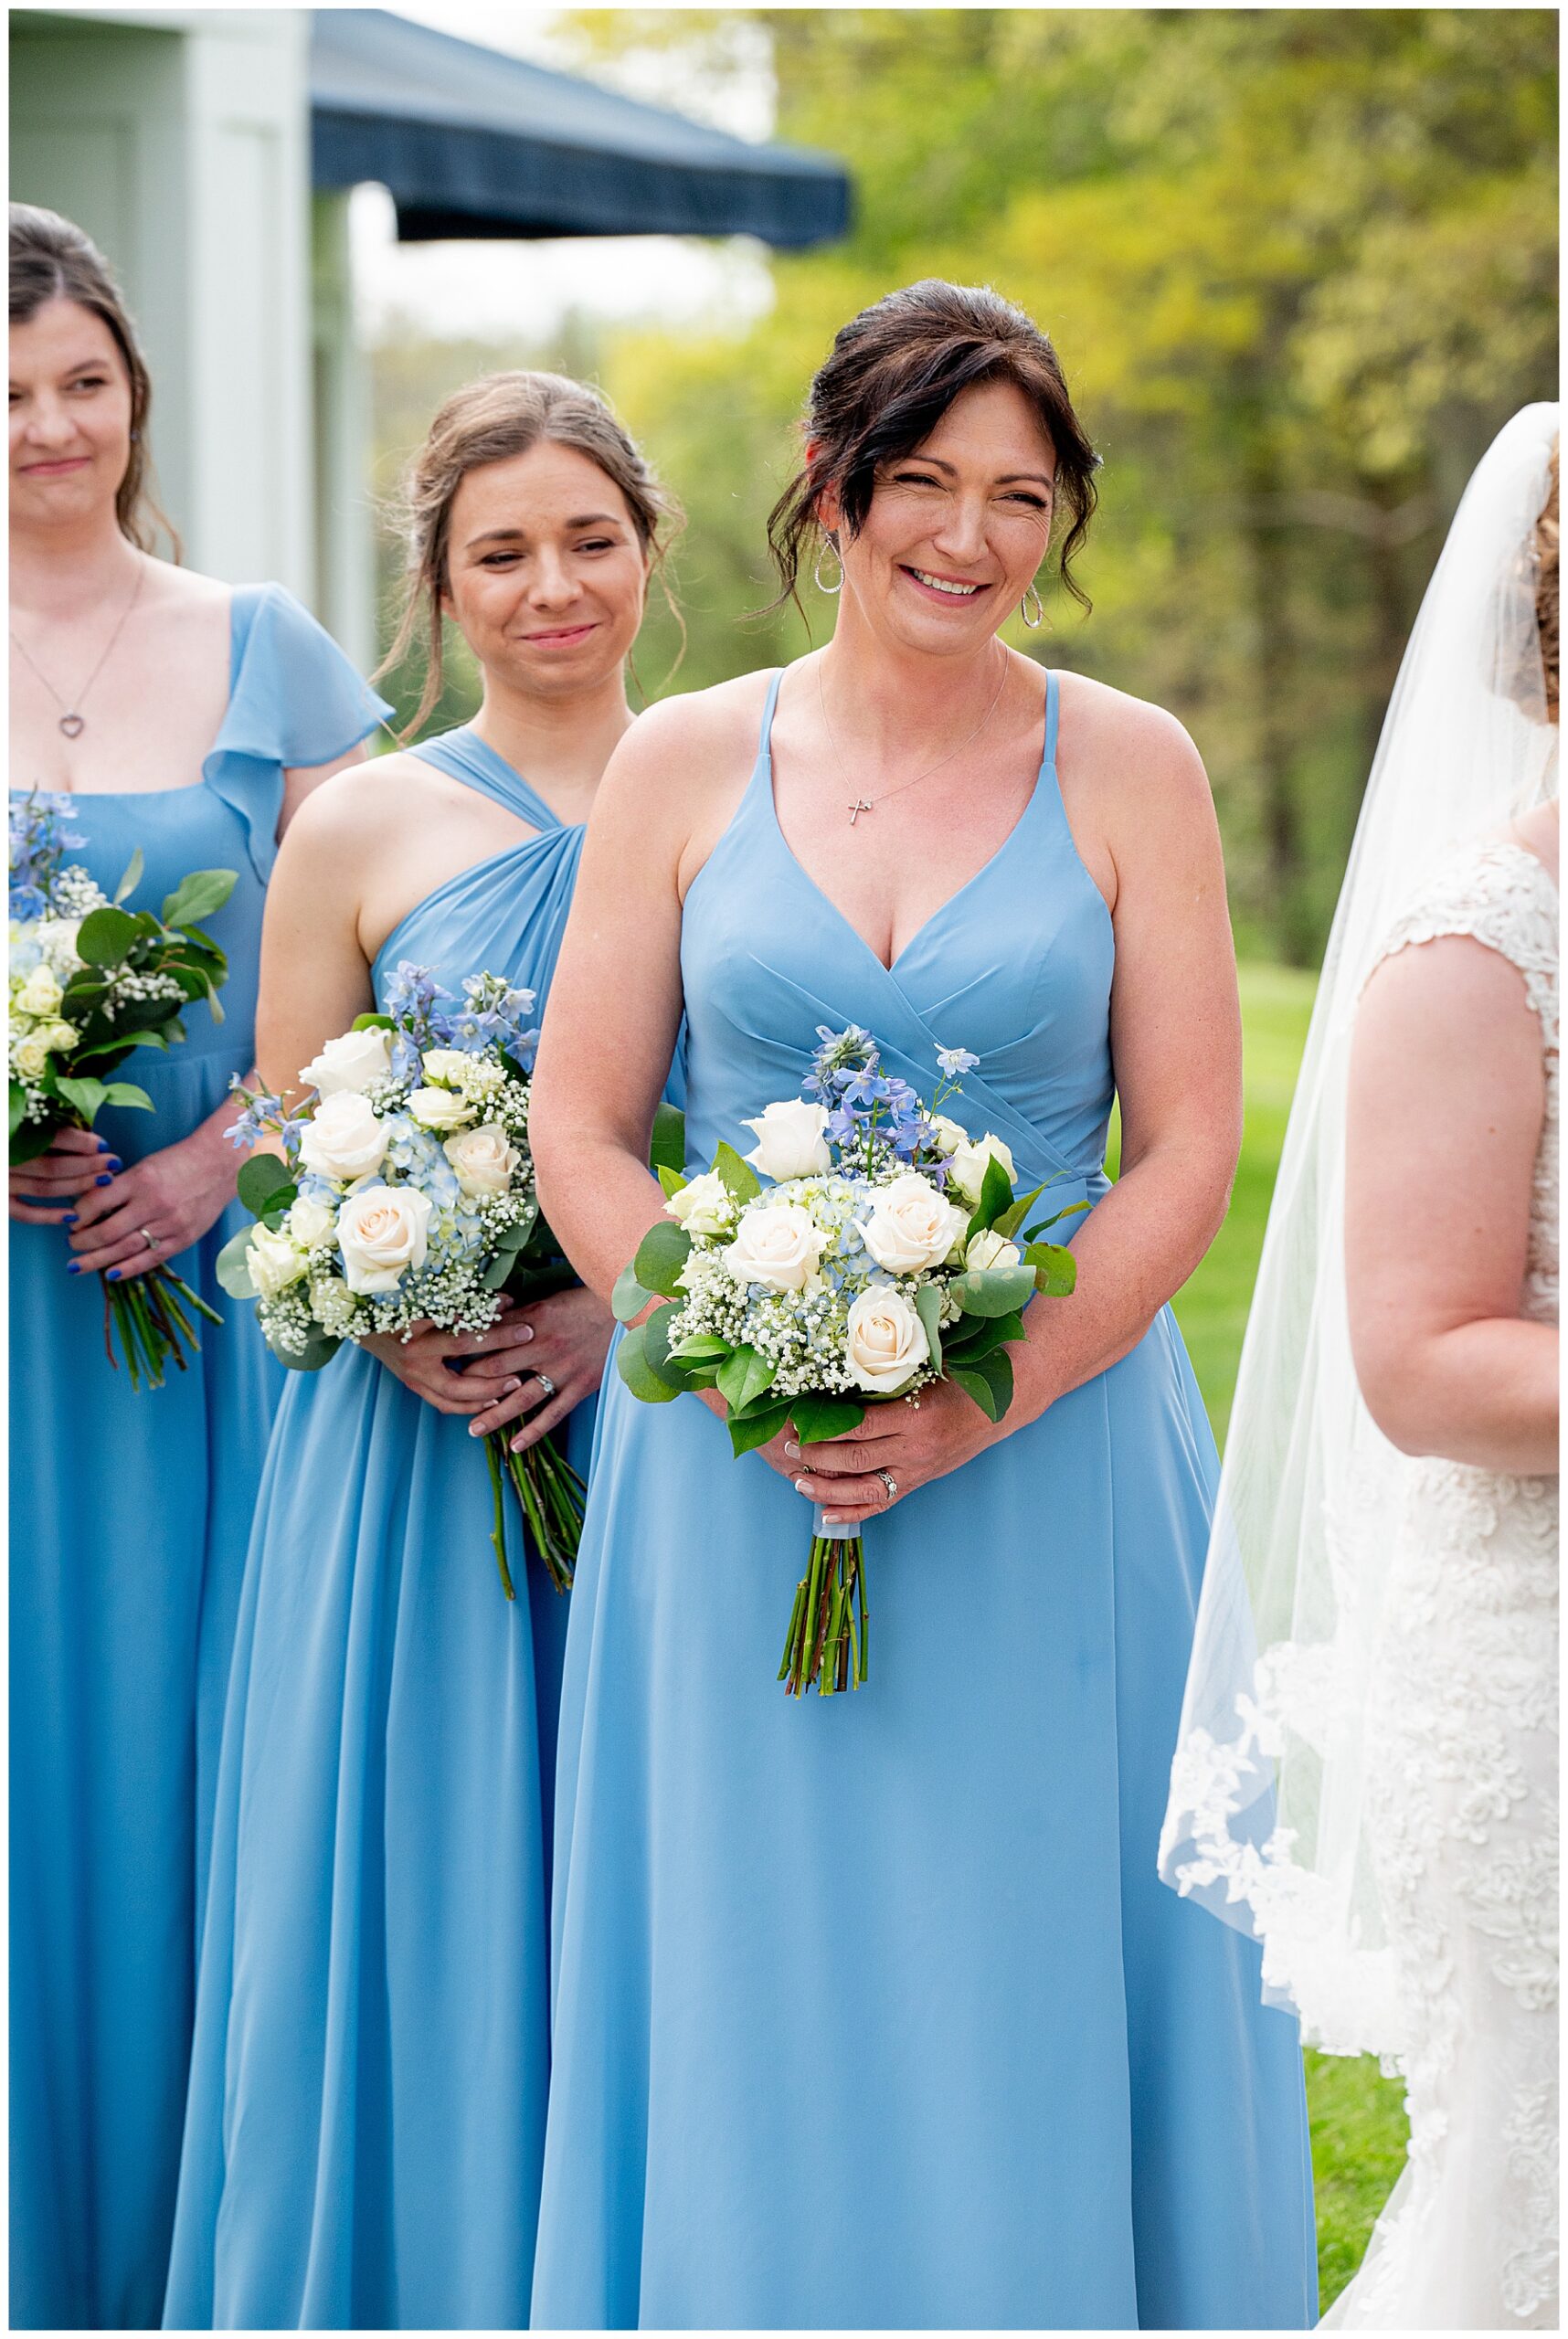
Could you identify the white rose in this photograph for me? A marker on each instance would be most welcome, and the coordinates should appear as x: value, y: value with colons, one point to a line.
x: 886, y: 1342
x: 348, y: 1066
x: 705, y: 1206
x: 990, y: 1249
x: 485, y: 1159
x: 966, y: 1170
x: 382, y: 1233
x: 343, y: 1139
x: 274, y: 1261
x: 31, y: 1056
x: 56, y: 1037
x: 310, y: 1223
x: 776, y: 1244
x: 445, y: 1065
x: 40, y: 995
x: 946, y: 1135
x: 437, y: 1108
x: 790, y: 1141
x: 911, y: 1225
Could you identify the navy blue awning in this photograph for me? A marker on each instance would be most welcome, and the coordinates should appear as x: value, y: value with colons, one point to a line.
x: 474, y: 144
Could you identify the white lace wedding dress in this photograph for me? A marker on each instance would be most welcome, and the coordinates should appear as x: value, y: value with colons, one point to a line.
x: 1462, y: 1794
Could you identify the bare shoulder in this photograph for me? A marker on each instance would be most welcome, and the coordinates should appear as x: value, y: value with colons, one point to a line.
x: 687, y: 753
x: 185, y: 592
x: 1125, y: 750
x: 1451, y: 1004
x: 362, y: 800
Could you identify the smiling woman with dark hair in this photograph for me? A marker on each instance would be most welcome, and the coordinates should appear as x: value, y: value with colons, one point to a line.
x: 874, y: 2014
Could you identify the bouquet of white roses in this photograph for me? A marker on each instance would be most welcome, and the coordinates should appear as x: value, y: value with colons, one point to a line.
x: 890, y: 1251
x: 90, y: 981
x: 405, y: 1195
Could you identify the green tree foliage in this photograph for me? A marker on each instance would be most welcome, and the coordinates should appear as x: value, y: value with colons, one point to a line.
x: 1300, y: 265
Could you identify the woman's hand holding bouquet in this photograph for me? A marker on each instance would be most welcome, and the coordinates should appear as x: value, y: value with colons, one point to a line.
x: 882, y: 1262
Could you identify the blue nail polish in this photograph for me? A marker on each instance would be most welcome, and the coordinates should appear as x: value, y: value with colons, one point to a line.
x: 101, y: 1143
x: 105, y: 1180
x: 114, y: 1162
x: 113, y: 1275
x: 69, y: 1218
x: 73, y: 1266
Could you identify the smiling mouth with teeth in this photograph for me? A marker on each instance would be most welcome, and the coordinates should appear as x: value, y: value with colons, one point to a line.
x: 941, y: 585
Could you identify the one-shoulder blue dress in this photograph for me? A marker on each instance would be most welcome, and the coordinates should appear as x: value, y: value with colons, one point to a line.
x: 371, y: 2059
x: 875, y: 2012
x: 129, y: 1520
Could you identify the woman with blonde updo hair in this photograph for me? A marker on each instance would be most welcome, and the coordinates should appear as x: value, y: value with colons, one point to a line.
x: 367, y: 2096
x: 186, y: 721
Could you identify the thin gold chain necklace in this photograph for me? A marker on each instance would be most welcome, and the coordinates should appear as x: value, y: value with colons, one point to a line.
x: 864, y: 804
x: 73, y: 723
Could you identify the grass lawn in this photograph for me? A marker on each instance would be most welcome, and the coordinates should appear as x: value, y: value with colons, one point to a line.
x: 1358, y: 2118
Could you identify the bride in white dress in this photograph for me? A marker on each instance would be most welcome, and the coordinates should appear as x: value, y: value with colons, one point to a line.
x: 1367, y: 1770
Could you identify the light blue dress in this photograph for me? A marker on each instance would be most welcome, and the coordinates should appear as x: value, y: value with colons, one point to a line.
x: 129, y: 1520
x: 368, y: 2081
x: 875, y: 2012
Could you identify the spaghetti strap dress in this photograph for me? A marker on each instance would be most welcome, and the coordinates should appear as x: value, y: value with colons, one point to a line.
x: 371, y: 2060
x: 874, y: 2012
x: 129, y: 1520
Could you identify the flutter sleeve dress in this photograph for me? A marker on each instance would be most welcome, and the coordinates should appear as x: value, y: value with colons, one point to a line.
x: 129, y: 1514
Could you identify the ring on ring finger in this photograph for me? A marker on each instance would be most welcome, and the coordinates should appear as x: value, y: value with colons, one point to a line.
x: 546, y: 1383
x: 890, y: 1482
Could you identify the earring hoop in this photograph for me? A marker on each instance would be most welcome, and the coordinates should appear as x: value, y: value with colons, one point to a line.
x: 828, y: 544
x: 1023, y: 608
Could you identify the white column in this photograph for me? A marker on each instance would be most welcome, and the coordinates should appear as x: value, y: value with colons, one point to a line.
x: 344, y: 516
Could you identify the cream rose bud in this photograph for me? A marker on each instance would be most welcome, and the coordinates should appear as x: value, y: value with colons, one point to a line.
x: 343, y: 1139
x: 31, y: 1056
x: 990, y: 1249
x: 947, y: 1137
x: 382, y: 1233
x: 439, y: 1108
x: 40, y: 995
x: 776, y: 1244
x: 485, y: 1159
x: 310, y: 1223
x: 349, y: 1064
x: 966, y: 1170
x: 274, y: 1261
x: 703, y: 1206
x: 911, y: 1225
x: 56, y: 1037
x: 790, y: 1141
x: 444, y: 1066
x: 885, y: 1341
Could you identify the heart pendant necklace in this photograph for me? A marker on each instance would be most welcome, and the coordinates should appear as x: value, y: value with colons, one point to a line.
x: 72, y: 722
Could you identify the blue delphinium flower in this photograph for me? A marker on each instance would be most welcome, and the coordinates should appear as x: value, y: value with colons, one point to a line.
x: 953, y: 1062
x: 39, y: 837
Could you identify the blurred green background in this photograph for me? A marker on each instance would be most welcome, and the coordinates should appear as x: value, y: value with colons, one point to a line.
x: 1300, y: 265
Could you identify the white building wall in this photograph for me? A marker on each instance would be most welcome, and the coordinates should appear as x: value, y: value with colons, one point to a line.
x: 178, y: 138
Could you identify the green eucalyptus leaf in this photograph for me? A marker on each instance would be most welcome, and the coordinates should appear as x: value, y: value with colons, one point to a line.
x: 667, y: 1148
x: 993, y: 1291
x: 673, y: 1182
x: 929, y: 1308
x: 638, y: 1375
x: 627, y: 1299
x: 661, y: 1255
x: 319, y: 1348
x: 1012, y: 1218
x: 982, y: 1382
x: 817, y: 1419
x: 748, y: 1430
x: 976, y: 1335
x: 19, y: 1105
x: 1069, y: 1210
x: 740, y: 1176
x: 131, y: 878
x: 105, y: 936
x: 1054, y: 1269
x: 261, y: 1178
x: 127, y: 1097
x: 656, y: 1348
x: 996, y: 1195
x: 743, y: 1375
x: 373, y: 1023
x: 701, y: 1347
x: 84, y: 1096
x: 198, y: 895
x: 232, y: 1266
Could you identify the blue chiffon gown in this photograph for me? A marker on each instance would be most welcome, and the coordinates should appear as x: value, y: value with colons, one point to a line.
x: 129, y: 1520
x: 371, y: 2059
x: 875, y: 2012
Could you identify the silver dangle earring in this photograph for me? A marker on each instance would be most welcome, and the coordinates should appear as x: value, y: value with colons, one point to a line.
x: 1023, y: 608
x: 828, y: 545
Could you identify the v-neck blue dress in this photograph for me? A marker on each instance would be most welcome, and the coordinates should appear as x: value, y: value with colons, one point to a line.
x: 371, y: 2058
x: 875, y: 2012
x: 129, y: 1520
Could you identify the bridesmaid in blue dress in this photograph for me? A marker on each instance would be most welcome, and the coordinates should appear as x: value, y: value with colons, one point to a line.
x: 189, y: 721
x: 874, y: 2012
x: 371, y: 2061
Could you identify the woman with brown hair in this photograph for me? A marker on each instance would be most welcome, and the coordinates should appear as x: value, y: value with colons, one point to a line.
x: 367, y: 2092
x: 186, y: 721
x: 874, y: 2012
